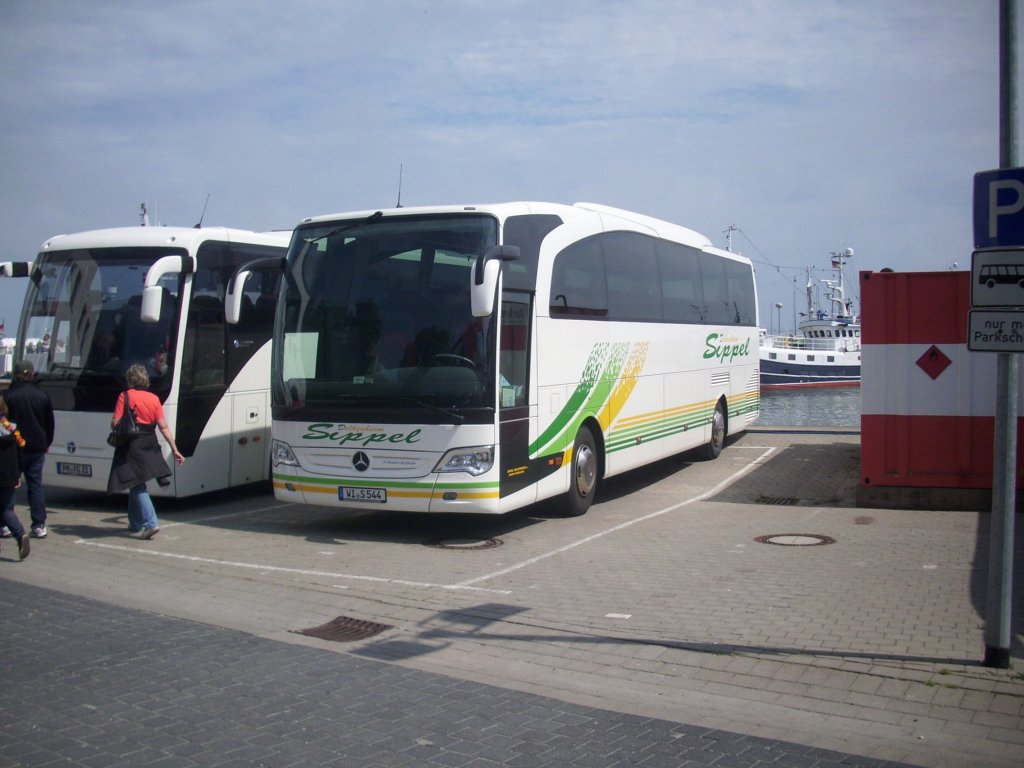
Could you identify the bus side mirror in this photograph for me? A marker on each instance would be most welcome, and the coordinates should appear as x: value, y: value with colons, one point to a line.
x: 236, y: 285
x: 15, y: 268
x: 484, y: 281
x: 152, y: 292
x: 233, y: 300
x: 152, y: 298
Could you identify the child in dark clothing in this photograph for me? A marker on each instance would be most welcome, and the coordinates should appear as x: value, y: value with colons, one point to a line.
x: 10, y: 478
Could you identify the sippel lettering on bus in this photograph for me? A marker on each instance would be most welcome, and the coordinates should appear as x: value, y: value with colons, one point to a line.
x: 329, y: 431
x: 718, y: 346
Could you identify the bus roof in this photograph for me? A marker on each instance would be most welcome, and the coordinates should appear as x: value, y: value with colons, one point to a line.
x: 182, y: 237
x: 612, y: 218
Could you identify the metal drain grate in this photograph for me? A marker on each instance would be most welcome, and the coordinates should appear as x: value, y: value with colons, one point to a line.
x: 344, y: 629
x: 779, y: 501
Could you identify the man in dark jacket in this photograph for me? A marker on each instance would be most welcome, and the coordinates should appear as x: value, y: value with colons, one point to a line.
x: 30, y: 408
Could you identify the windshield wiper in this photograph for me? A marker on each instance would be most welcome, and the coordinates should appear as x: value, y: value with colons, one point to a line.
x: 391, y: 399
x: 457, y: 417
x: 346, y: 227
x: 385, y: 400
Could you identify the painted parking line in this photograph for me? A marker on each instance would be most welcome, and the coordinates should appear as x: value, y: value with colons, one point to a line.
x: 279, y: 569
x: 215, y: 518
x: 700, y: 497
x: 468, y: 584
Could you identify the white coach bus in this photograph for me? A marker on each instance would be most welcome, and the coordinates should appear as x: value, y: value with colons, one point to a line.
x: 100, y: 301
x: 482, y: 358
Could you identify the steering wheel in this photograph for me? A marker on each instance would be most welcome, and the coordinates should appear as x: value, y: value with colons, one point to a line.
x: 455, y: 359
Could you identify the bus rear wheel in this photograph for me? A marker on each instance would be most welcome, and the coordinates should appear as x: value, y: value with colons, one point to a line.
x: 713, y: 448
x: 582, y: 474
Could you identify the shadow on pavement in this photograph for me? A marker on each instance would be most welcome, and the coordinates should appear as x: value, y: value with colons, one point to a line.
x: 804, y: 474
x: 473, y: 623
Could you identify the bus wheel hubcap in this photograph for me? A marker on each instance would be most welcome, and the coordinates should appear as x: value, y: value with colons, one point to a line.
x: 586, y: 470
x: 718, y: 427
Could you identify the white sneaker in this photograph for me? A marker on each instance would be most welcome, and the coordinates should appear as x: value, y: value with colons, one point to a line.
x: 5, y: 532
x: 39, y: 532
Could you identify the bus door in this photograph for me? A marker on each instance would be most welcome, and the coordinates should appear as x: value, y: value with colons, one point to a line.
x: 225, y: 371
x: 248, y: 370
x: 517, y: 471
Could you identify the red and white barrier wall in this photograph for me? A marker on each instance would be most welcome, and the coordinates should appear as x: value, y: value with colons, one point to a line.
x: 927, y: 402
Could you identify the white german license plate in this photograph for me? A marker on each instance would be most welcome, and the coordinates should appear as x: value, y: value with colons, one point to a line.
x: 78, y: 470
x: 378, y: 495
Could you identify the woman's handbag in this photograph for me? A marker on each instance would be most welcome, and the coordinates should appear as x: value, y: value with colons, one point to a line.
x: 127, y: 428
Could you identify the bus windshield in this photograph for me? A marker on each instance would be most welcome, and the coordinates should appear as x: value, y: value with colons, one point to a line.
x: 377, y: 316
x: 82, y: 319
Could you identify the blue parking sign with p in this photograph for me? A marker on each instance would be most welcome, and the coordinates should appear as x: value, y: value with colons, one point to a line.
x: 999, y: 208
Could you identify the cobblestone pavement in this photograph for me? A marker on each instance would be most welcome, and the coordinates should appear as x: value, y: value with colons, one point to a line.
x: 86, y: 683
x: 661, y: 609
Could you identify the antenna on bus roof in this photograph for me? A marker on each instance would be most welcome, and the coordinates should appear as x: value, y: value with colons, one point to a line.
x: 143, y: 215
x: 399, y: 203
x: 203, y: 214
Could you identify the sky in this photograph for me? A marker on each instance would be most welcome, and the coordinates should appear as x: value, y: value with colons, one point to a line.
x: 811, y: 126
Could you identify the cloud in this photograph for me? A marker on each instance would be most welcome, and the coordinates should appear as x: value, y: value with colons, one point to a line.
x: 811, y: 124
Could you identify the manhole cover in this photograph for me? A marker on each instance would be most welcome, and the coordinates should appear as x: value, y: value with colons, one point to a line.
x: 463, y: 544
x: 345, y: 629
x: 796, y: 539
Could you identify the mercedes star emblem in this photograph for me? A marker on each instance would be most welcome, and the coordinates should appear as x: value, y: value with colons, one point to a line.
x: 361, y: 461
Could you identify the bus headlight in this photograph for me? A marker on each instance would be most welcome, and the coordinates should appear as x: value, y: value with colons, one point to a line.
x: 281, y: 453
x: 475, y: 460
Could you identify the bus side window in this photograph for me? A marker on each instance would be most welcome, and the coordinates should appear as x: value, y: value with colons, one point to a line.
x: 742, y: 301
x: 514, y: 359
x: 578, y: 284
x: 204, y: 342
x: 716, y: 291
x: 259, y: 303
x: 634, y: 287
x: 257, y: 315
x: 682, y: 293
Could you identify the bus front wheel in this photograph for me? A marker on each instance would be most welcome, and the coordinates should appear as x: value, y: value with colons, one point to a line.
x: 713, y: 448
x: 582, y: 474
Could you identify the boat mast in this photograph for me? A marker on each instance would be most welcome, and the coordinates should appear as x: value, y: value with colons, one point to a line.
x: 728, y: 236
x: 836, y: 290
x: 812, y: 313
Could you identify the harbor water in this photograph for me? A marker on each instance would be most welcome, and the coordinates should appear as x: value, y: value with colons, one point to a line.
x: 810, y: 407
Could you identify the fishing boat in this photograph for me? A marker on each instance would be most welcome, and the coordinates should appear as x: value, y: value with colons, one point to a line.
x: 825, y: 349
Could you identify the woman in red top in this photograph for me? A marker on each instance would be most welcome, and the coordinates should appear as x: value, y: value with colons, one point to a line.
x: 140, y: 460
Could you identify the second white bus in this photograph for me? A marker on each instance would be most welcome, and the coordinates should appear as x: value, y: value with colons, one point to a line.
x: 100, y: 301
x: 482, y: 358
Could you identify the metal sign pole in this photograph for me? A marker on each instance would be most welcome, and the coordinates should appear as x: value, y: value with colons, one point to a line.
x: 1004, y: 469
